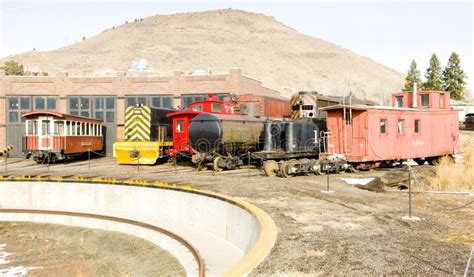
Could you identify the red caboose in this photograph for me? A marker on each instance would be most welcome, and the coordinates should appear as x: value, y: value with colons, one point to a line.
x: 368, y: 135
x: 182, y: 119
x: 51, y: 136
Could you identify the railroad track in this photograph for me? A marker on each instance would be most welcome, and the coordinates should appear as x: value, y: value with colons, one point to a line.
x: 194, y: 252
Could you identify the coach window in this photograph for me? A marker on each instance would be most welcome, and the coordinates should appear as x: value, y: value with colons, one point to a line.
x: 59, y: 128
x: 401, y: 122
x: 383, y: 126
x: 425, y: 100
x: 222, y: 95
x: 417, y: 126
x: 216, y: 107
x: 179, y: 126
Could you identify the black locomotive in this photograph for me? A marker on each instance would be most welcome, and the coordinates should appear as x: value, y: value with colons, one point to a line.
x: 286, y: 147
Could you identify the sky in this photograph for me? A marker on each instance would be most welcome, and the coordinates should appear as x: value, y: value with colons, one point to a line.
x: 390, y: 32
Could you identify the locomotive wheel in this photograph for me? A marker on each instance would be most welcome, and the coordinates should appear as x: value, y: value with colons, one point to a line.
x: 285, y: 169
x: 271, y: 168
x: 216, y: 162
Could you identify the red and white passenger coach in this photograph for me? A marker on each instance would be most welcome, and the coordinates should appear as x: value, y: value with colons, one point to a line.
x: 51, y: 136
x: 420, y: 126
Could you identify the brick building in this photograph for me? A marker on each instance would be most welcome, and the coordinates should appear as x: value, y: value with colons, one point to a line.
x: 107, y: 97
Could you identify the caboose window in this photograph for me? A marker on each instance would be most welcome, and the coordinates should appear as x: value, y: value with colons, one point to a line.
x: 417, y: 126
x: 383, y: 126
x: 179, y: 126
x: 399, y: 101
x: 216, y: 107
x: 441, y: 101
x: 425, y: 100
x: 400, y: 126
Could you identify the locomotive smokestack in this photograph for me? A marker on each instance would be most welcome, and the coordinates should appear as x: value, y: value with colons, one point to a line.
x: 413, y: 105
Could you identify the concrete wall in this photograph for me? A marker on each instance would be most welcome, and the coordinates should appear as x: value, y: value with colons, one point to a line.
x: 223, y: 230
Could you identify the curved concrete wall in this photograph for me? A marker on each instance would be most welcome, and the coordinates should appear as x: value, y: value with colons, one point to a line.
x: 232, y: 236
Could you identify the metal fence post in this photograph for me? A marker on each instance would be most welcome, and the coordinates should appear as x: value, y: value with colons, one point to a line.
x: 409, y: 191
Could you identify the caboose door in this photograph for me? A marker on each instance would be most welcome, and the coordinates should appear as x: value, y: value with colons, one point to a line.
x: 45, y: 139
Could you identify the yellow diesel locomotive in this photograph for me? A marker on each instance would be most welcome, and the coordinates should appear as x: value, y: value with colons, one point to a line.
x: 147, y: 136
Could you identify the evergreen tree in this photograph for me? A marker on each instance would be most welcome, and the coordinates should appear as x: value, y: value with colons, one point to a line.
x: 433, y: 75
x: 454, y: 77
x: 13, y: 68
x: 413, y: 76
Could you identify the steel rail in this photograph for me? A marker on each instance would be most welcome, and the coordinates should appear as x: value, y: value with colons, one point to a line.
x: 194, y: 252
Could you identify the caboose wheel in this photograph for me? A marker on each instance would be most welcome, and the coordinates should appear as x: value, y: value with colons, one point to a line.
x: 271, y: 168
x: 216, y: 162
x: 285, y: 169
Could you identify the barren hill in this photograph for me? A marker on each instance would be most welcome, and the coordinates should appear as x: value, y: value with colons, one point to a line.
x: 265, y: 49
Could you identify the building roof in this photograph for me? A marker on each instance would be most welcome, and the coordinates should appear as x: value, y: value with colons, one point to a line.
x: 34, y: 114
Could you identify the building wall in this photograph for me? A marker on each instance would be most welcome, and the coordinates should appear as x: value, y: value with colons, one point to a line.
x: 121, y: 87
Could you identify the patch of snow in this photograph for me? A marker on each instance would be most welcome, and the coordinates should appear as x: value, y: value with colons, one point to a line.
x: 14, y: 271
x: 357, y: 181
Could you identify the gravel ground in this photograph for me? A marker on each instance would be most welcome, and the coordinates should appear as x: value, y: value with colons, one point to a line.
x: 350, y: 231
x: 57, y: 250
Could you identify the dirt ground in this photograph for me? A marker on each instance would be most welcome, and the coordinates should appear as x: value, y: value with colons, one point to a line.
x: 56, y: 250
x: 350, y: 231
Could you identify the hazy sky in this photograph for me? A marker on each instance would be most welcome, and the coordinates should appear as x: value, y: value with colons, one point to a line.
x: 391, y: 33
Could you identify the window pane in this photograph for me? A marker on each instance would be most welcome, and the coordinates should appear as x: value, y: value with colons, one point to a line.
x: 73, y: 104
x: 131, y: 102
x: 74, y: 113
x: 417, y: 125
x: 425, y: 100
x: 216, y: 107
x: 110, y: 103
x: 24, y: 103
x: 13, y: 117
x: 110, y: 117
x: 51, y: 103
x: 141, y: 101
x: 85, y: 114
x: 99, y: 103
x: 13, y: 103
x: 382, y: 126
x: 167, y: 102
x: 45, y: 127
x: 156, y: 102
x: 179, y: 126
x: 400, y: 126
x: 197, y: 107
x: 85, y: 103
x: 399, y: 101
x: 39, y: 104
x: 99, y: 115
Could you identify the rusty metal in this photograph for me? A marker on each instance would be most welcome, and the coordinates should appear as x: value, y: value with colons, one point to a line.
x: 194, y: 252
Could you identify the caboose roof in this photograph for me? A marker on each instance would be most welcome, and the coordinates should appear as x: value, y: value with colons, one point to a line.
x: 366, y: 107
x: 35, y: 114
